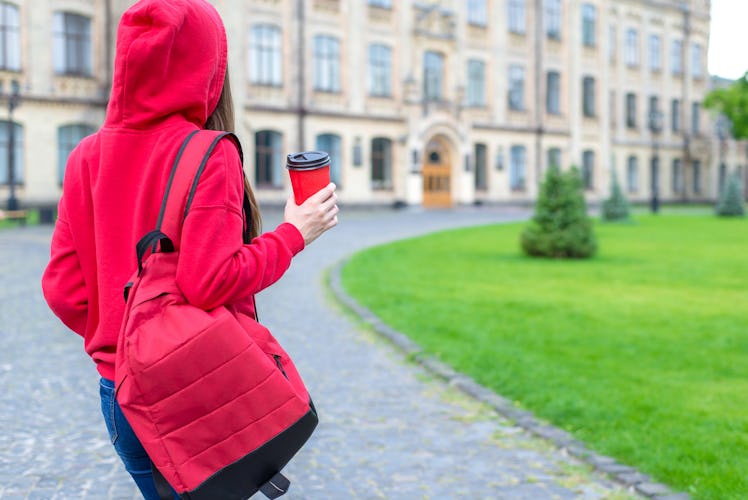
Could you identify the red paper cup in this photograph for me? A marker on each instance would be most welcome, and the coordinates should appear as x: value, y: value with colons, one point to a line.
x: 309, y: 172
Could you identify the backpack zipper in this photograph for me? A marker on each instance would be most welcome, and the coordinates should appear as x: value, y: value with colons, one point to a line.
x: 280, y: 365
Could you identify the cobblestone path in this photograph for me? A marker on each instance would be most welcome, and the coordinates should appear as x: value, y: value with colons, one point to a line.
x: 388, y: 430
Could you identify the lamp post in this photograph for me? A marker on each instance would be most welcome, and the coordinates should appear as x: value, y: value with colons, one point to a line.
x: 655, y: 127
x: 14, y: 99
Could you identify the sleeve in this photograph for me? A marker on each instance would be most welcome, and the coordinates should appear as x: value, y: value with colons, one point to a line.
x: 215, y: 266
x: 63, y: 282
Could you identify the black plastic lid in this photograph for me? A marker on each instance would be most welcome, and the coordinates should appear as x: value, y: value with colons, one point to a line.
x: 308, y: 160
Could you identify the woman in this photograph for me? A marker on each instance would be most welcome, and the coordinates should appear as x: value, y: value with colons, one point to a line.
x: 170, y: 78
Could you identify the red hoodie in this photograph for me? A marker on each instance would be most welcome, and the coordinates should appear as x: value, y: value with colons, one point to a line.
x: 169, y: 71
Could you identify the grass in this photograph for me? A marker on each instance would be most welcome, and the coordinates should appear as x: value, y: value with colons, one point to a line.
x: 641, y: 352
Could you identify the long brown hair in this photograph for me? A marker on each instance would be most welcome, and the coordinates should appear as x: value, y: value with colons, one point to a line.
x: 222, y: 118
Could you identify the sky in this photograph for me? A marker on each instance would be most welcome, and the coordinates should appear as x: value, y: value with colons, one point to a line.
x: 728, y: 40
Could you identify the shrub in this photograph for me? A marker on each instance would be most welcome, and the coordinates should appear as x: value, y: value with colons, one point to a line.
x: 560, y: 227
x: 615, y: 208
x: 731, y: 202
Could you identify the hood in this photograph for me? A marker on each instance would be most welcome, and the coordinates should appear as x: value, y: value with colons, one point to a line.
x: 170, y: 63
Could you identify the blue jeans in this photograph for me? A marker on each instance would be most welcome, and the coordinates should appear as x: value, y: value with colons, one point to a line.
x: 126, y: 444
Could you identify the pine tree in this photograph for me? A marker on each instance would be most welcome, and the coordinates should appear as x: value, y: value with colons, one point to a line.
x: 615, y: 208
x: 560, y: 227
x: 731, y: 202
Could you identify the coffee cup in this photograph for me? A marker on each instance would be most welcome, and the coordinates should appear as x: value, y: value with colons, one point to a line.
x: 309, y: 172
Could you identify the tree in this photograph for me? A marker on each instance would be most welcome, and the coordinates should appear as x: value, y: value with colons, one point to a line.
x: 731, y: 202
x: 615, y: 208
x: 560, y: 227
x: 732, y: 102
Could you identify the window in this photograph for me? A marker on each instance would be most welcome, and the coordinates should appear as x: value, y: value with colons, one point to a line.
x: 481, y: 161
x: 553, y: 93
x: 516, y: 87
x: 696, y: 118
x: 380, y: 69
x: 517, y: 16
x: 696, y: 176
x: 612, y: 43
x: 654, y: 106
x: 433, y: 66
x: 517, y: 168
x: 632, y: 174
x: 68, y: 137
x: 554, y: 158
x: 655, y: 53
x: 268, y: 159
x: 588, y: 25
x: 330, y: 143
x: 677, y: 177
x: 326, y: 63
x: 696, y: 64
x: 477, y: 12
x: 588, y: 97
x: 385, y: 4
x: 676, y: 57
x: 476, y: 91
x: 265, y: 59
x: 381, y: 163
x: 17, y: 152
x: 72, y: 44
x: 631, y: 110
x: 675, y: 115
x: 553, y: 19
x: 10, y: 37
x: 588, y: 170
x: 632, y: 48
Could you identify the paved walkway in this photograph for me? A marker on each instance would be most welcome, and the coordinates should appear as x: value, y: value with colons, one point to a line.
x: 388, y: 429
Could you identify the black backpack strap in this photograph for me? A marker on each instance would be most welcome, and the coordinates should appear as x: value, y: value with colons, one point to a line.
x: 277, y: 486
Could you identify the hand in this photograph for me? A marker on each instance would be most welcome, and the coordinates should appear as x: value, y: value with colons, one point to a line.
x: 316, y: 215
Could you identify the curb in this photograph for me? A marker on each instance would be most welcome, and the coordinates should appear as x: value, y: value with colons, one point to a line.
x: 629, y: 477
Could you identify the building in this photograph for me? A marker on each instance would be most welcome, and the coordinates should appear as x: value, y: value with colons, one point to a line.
x: 422, y: 102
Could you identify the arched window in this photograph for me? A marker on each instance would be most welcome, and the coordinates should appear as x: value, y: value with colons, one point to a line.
x: 5, y: 140
x: 265, y: 60
x: 381, y: 163
x: 268, y: 159
x: 68, y: 136
x: 632, y: 174
x: 588, y: 170
x: 481, y: 169
x: 517, y: 168
x: 330, y: 143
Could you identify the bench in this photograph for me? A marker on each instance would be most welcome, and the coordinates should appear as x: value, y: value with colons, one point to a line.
x: 17, y: 215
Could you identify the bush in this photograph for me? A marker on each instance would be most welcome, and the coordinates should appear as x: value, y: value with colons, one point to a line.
x: 560, y: 227
x: 731, y: 202
x: 615, y: 208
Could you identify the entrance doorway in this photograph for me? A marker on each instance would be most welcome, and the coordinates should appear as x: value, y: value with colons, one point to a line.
x: 437, y: 175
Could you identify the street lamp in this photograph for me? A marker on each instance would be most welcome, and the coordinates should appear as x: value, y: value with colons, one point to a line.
x: 14, y: 99
x: 655, y: 127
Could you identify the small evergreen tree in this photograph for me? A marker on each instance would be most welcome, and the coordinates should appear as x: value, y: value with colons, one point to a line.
x: 615, y: 208
x: 731, y: 202
x: 560, y: 227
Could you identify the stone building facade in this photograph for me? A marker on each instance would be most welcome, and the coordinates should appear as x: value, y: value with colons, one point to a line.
x: 423, y: 102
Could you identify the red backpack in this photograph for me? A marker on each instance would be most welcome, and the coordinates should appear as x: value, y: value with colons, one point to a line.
x: 216, y: 402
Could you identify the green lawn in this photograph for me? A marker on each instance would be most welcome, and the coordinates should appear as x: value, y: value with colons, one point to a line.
x: 641, y: 352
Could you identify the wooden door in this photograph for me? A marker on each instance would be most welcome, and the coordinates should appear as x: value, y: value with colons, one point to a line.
x: 437, y: 176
